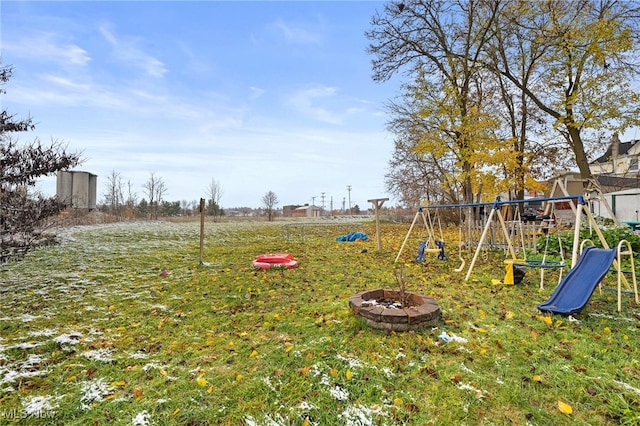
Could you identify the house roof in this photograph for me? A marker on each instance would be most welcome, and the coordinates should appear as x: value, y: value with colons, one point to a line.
x: 623, y: 148
x: 617, y: 181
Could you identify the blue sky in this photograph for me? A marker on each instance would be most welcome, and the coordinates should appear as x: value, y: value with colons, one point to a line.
x: 260, y: 96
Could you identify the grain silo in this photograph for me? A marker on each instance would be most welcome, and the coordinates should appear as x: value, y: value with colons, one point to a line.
x: 77, y: 189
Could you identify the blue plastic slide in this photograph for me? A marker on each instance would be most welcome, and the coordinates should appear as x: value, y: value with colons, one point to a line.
x: 576, y: 288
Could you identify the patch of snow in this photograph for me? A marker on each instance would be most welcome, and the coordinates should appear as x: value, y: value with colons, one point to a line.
x: 27, y: 318
x: 139, y: 355
x: 358, y: 415
x: 101, y: 355
x: 151, y: 365
x: 627, y: 386
x: 72, y: 338
x: 464, y: 386
x: 94, y: 391
x: 38, y: 405
x: 339, y: 393
x: 23, y: 369
x: 141, y: 419
x: 47, y: 332
x: 353, y: 362
x: 466, y: 369
x: 28, y: 345
x: 267, y: 382
x: 446, y: 338
x: 306, y: 406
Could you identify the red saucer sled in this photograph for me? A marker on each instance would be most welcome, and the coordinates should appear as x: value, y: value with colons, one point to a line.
x: 275, y: 260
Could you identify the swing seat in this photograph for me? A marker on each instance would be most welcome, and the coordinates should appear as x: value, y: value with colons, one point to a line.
x: 544, y: 264
x: 432, y: 250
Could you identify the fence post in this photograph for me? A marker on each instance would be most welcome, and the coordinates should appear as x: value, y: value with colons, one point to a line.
x: 201, y: 229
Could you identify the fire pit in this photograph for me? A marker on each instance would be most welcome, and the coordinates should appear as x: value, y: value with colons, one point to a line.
x: 382, y: 309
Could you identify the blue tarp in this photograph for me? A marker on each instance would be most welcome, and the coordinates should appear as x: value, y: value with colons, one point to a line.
x: 353, y: 236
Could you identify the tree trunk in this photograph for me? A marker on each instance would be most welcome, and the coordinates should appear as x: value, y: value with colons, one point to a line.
x: 581, y: 157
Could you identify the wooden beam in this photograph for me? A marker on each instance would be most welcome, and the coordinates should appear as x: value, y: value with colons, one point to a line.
x: 377, y: 203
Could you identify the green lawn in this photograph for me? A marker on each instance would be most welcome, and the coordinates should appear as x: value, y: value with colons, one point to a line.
x: 92, y: 333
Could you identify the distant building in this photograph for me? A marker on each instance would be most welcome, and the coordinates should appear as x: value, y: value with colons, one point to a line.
x: 77, y: 189
x: 620, y: 160
x: 307, y: 211
x: 287, y: 211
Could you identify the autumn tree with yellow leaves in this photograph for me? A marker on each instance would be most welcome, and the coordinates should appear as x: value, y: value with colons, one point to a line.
x: 501, y: 92
x: 576, y: 61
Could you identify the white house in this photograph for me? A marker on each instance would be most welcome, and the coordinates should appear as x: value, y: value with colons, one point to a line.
x: 620, y: 159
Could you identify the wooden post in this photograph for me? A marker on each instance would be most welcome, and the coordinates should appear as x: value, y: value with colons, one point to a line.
x: 201, y: 230
x: 377, y: 203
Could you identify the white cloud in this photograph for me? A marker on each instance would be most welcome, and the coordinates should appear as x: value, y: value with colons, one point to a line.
x: 129, y: 54
x: 296, y: 35
x: 256, y: 92
x: 46, y: 46
x: 306, y: 101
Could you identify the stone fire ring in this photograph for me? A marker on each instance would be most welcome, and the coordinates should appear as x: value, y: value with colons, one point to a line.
x: 422, y: 311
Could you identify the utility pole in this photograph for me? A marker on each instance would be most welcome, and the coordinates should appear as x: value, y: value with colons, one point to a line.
x: 322, y: 197
x: 349, y: 190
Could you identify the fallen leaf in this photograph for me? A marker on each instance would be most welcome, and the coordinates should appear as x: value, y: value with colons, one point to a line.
x: 564, y: 407
x: 545, y: 319
x: 304, y: 370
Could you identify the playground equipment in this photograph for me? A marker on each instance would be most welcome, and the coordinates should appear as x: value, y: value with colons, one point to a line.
x: 422, y: 247
x: 575, y: 290
x: 275, y: 260
x: 429, y: 220
x: 544, y: 263
x: 515, y: 268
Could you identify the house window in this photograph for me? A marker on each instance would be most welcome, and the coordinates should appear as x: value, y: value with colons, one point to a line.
x: 633, y: 166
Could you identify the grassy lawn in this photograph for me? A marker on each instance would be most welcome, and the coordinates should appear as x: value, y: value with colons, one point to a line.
x: 92, y: 333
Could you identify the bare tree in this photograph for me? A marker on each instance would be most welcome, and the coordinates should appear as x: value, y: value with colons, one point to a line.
x: 131, y: 200
x: 269, y: 202
x: 214, y: 193
x: 155, y: 189
x: 114, y: 195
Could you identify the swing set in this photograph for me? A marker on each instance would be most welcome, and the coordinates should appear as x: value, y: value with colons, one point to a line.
x: 430, y: 243
x: 547, y: 226
x: 508, y: 230
x: 432, y: 240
